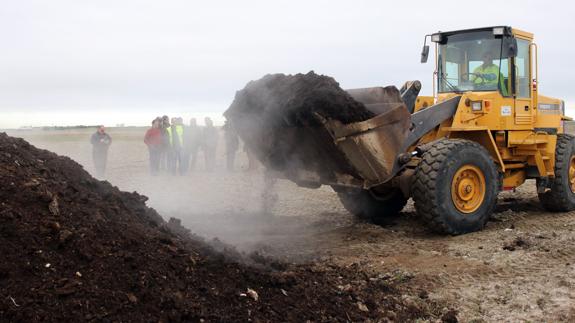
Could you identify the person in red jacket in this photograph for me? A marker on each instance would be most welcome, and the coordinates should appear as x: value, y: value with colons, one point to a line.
x: 153, y: 140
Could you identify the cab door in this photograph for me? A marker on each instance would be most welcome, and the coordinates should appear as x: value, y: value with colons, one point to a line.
x: 524, y: 109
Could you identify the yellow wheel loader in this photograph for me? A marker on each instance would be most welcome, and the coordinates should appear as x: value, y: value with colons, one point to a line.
x: 485, y: 129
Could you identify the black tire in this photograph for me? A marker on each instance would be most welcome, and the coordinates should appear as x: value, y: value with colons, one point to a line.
x: 364, y: 205
x: 432, y: 186
x: 560, y: 197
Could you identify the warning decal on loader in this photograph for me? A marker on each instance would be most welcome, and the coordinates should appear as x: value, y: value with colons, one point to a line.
x: 506, y: 110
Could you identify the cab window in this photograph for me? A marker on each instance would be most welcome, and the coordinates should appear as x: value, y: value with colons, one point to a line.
x: 522, y: 69
x: 473, y: 62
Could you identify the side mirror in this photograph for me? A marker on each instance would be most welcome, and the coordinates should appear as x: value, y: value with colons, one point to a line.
x: 424, y: 53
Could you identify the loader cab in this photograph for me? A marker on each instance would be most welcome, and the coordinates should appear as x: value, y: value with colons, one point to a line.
x: 479, y: 60
x: 496, y: 63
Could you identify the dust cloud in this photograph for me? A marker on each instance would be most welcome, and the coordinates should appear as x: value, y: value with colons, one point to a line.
x: 280, y: 118
x: 248, y: 209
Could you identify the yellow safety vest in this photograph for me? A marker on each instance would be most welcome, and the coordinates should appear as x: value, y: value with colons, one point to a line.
x: 179, y: 133
x: 489, y: 70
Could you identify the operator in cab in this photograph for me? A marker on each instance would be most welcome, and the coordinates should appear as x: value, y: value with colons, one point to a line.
x: 487, y: 74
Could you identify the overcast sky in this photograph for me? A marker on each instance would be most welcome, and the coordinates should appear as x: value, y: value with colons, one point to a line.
x: 126, y: 61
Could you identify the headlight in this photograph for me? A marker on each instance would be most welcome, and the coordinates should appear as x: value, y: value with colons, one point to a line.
x: 476, y: 106
x: 436, y: 38
x: 499, y: 31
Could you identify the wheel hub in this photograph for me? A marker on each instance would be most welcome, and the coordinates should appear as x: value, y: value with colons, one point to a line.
x: 572, y: 174
x: 468, y: 188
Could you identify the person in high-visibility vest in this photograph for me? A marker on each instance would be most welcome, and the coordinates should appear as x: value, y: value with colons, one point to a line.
x: 487, y: 74
x: 176, y: 139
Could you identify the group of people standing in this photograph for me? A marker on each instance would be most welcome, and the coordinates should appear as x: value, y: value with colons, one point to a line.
x: 175, y: 147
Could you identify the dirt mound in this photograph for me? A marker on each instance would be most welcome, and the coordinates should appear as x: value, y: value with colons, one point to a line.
x: 76, y: 249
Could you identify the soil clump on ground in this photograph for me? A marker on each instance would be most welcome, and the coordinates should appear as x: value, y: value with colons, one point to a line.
x: 78, y: 249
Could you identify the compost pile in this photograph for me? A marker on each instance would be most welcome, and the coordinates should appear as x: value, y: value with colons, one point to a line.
x: 77, y: 249
x: 270, y: 113
x: 296, y: 98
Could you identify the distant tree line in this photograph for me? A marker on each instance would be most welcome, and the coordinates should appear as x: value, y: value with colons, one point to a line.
x: 69, y: 127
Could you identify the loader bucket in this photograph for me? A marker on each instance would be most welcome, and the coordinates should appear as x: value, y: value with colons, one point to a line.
x: 359, y: 154
x: 309, y: 130
x: 371, y: 147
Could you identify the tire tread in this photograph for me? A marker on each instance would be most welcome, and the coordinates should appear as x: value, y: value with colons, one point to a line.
x: 556, y: 199
x: 424, y: 185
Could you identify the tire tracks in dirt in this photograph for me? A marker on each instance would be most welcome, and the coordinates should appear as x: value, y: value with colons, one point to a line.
x: 532, y: 279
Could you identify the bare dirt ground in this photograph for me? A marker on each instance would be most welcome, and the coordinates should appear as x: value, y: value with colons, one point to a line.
x: 521, y: 267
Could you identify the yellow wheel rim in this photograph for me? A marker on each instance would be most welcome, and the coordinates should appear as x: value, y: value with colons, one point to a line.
x: 468, y: 187
x: 572, y: 173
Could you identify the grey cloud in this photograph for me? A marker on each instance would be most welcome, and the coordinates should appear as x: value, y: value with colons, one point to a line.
x: 129, y: 54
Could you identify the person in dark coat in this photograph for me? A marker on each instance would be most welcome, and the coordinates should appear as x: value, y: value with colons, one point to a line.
x: 192, y: 143
x: 101, y: 141
x: 153, y: 140
x: 164, y: 149
x: 210, y: 143
x: 232, y: 145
